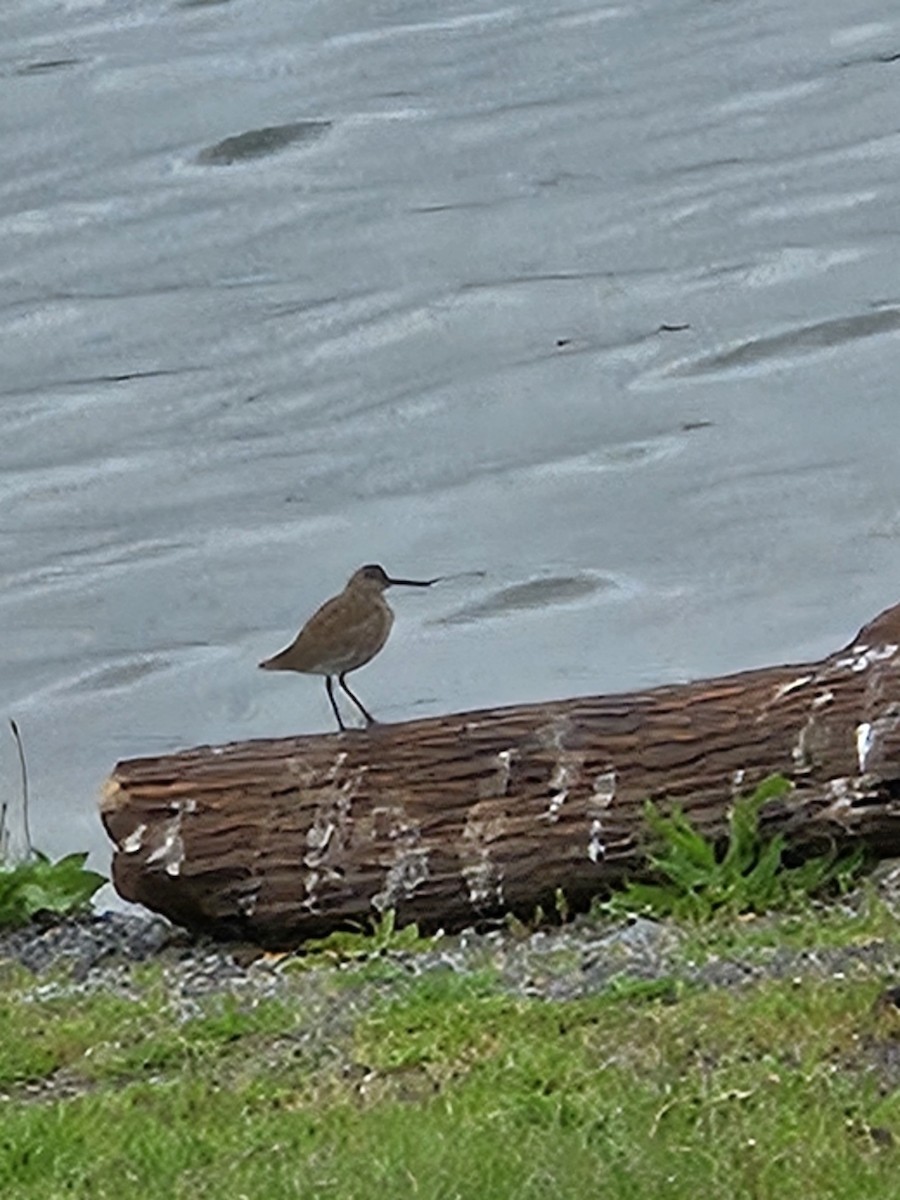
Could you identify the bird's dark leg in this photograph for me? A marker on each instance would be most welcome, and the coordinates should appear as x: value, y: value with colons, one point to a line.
x: 329, y: 687
x: 370, y: 720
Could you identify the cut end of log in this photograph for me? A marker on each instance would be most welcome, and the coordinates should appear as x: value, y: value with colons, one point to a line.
x: 112, y: 797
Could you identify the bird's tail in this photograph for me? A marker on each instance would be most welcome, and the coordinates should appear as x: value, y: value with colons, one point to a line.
x: 275, y: 663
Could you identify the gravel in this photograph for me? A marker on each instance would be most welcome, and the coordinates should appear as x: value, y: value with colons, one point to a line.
x: 78, y: 945
x: 582, y: 958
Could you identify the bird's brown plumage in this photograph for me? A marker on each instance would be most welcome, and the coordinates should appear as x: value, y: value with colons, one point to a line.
x: 342, y: 635
x: 345, y: 633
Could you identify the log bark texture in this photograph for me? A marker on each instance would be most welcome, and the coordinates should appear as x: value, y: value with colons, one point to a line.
x: 455, y: 819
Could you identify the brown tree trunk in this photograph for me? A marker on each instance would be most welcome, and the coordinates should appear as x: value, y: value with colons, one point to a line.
x: 458, y: 818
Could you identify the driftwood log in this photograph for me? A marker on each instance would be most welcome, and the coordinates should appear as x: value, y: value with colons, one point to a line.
x: 461, y: 818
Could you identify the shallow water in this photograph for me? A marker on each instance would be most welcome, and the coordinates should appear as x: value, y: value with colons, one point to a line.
x: 599, y: 300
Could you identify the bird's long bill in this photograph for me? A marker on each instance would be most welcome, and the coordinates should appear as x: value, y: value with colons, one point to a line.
x: 415, y: 582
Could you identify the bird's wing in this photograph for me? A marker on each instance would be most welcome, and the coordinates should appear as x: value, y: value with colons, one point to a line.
x: 339, y: 636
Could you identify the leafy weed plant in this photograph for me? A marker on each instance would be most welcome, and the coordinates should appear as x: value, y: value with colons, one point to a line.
x: 698, y: 882
x: 359, y: 946
x: 39, y: 885
x: 36, y: 884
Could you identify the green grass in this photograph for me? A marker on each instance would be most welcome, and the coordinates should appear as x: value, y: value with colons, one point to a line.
x: 448, y: 1087
x: 815, y: 927
x: 106, y: 1037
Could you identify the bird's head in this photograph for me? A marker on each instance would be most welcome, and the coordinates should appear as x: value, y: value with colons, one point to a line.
x: 371, y: 576
x: 374, y: 576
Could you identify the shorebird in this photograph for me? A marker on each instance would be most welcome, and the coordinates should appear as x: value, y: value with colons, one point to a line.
x: 344, y: 634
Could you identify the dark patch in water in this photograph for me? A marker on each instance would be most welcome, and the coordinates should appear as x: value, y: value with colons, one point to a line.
x: 823, y: 335
x: 51, y: 64
x: 257, y: 143
x: 535, y: 593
